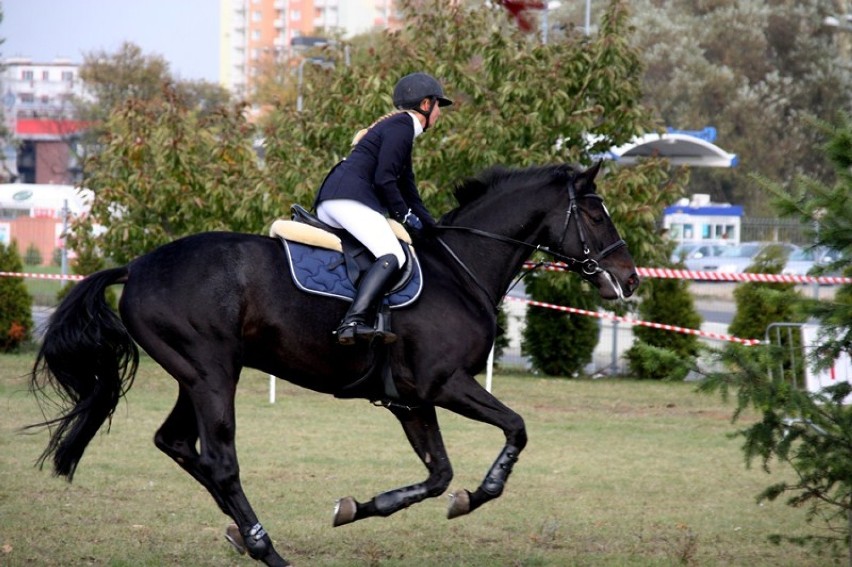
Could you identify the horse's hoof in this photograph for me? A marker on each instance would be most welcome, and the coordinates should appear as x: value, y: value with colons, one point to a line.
x: 344, y: 511
x: 459, y: 504
x: 232, y: 534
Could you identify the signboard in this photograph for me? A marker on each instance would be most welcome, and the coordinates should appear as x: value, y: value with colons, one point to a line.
x: 840, y: 371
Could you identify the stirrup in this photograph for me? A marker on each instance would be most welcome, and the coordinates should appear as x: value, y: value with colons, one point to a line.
x: 354, y: 331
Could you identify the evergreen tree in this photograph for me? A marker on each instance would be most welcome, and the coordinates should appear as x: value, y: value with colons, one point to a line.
x: 559, y: 343
x: 16, y: 321
x: 760, y: 304
x: 809, y: 431
x: 659, y: 354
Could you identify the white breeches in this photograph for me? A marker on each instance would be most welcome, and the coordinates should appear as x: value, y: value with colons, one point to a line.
x: 371, y: 228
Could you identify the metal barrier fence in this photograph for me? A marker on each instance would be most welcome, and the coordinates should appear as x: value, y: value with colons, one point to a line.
x: 773, y: 230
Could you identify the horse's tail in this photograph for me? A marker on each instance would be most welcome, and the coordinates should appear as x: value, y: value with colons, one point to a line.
x: 88, y: 358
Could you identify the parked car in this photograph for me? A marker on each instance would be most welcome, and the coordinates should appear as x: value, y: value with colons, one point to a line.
x: 696, y: 251
x: 735, y: 259
x: 802, y: 261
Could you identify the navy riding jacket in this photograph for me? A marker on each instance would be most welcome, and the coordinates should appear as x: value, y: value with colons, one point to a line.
x: 378, y: 171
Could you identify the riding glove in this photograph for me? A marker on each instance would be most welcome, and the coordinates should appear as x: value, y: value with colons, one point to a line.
x: 413, y: 223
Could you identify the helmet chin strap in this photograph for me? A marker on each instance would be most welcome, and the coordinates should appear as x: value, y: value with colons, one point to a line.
x: 427, y: 113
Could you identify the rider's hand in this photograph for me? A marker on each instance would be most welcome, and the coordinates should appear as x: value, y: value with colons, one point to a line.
x: 413, y: 223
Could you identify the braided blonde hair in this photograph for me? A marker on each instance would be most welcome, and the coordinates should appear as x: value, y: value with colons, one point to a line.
x: 363, y: 131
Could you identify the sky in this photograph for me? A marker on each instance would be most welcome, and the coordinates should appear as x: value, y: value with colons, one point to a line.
x: 184, y: 32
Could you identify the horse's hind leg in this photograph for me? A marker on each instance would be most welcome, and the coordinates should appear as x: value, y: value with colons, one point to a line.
x: 421, y: 427
x: 177, y: 438
x: 207, y: 395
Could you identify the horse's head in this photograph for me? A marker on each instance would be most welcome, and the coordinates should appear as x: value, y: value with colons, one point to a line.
x: 586, y: 237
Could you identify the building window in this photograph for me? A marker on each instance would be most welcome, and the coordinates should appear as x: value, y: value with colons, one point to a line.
x: 257, y: 16
x: 27, y: 74
x: 45, y: 75
x: 27, y: 98
x: 67, y: 75
x: 295, y: 15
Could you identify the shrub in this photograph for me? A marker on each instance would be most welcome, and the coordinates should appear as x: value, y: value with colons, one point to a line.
x: 760, y: 304
x: 558, y: 343
x: 16, y: 320
x: 32, y: 257
x: 659, y: 354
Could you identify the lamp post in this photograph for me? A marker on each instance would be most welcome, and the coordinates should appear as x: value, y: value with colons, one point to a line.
x: 300, y: 73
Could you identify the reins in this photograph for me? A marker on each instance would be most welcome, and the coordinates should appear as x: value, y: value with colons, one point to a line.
x: 588, y: 266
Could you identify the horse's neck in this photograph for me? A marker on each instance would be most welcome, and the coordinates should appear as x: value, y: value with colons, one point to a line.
x: 494, y: 262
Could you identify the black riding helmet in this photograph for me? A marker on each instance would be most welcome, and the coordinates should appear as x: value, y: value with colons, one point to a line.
x: 413, y: 88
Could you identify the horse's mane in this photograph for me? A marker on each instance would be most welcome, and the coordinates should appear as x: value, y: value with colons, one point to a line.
x: 498, y: 177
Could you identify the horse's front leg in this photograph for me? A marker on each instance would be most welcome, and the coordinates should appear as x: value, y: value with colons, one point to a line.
x: 463, y: 395
x: 421, y: 427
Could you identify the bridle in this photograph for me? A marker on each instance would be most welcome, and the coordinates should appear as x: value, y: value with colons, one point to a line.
x: 587, y: 267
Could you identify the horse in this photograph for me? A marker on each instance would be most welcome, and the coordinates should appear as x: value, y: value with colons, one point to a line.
x: 207, y: 305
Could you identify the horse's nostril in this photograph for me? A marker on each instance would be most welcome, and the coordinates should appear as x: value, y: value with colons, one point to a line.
x: 633, y: 282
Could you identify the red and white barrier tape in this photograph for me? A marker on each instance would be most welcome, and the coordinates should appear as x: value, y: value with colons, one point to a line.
x: 68, y: 277
x: 716, y: 276
x: 560, y: 267
x: 646, y: 272
x: 599, y: 315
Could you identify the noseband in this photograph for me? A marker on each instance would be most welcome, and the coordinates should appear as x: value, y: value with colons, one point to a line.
x: 587, y: 267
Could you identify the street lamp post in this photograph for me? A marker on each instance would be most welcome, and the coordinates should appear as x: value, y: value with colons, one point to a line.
x: 300, y: 73
x: 299, y: 85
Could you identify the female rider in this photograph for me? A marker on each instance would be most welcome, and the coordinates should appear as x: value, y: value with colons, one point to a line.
x: 374, y: 180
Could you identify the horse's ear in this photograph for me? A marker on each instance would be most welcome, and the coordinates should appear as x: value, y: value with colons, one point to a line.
x: 586, y: 178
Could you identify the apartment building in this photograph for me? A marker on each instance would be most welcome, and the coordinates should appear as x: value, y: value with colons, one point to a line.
x: 255, y: 32
x: 37, y: 111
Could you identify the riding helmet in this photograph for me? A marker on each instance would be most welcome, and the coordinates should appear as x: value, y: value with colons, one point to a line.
x: 413, y: 88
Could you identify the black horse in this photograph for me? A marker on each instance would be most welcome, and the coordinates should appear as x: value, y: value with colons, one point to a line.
x: 206, y: 306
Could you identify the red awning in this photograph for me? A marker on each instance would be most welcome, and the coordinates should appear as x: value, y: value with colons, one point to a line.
x: 47, y: 127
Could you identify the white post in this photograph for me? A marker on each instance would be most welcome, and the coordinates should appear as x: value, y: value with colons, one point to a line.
x: 272, y: 380
x: 489, y: 369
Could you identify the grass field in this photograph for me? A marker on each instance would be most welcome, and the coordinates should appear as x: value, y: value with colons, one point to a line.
x: 616, y: 472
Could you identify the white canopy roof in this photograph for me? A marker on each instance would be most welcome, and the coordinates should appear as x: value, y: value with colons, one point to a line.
x: 678, y: 147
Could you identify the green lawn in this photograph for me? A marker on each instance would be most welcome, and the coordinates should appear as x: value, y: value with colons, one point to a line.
x: 617, y: 472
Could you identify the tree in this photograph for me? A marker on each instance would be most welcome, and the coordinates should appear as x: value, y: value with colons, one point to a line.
x: 16, y: 321
x: 496, y: 75
x: 165, y: 171
x: 808, y: 431
x: 752, y: 69
x: 759, y: 304
x: 826, y: 209
x: 558, y: 343
x: 658, y: 354
x: 114, y: 79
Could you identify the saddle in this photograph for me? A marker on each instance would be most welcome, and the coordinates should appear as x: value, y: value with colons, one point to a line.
x: 327, y: 261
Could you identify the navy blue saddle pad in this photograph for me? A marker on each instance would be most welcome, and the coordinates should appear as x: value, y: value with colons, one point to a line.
x: 323, y: 272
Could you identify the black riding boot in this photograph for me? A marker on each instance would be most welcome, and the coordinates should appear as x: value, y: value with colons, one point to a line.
x: 359, y: 321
